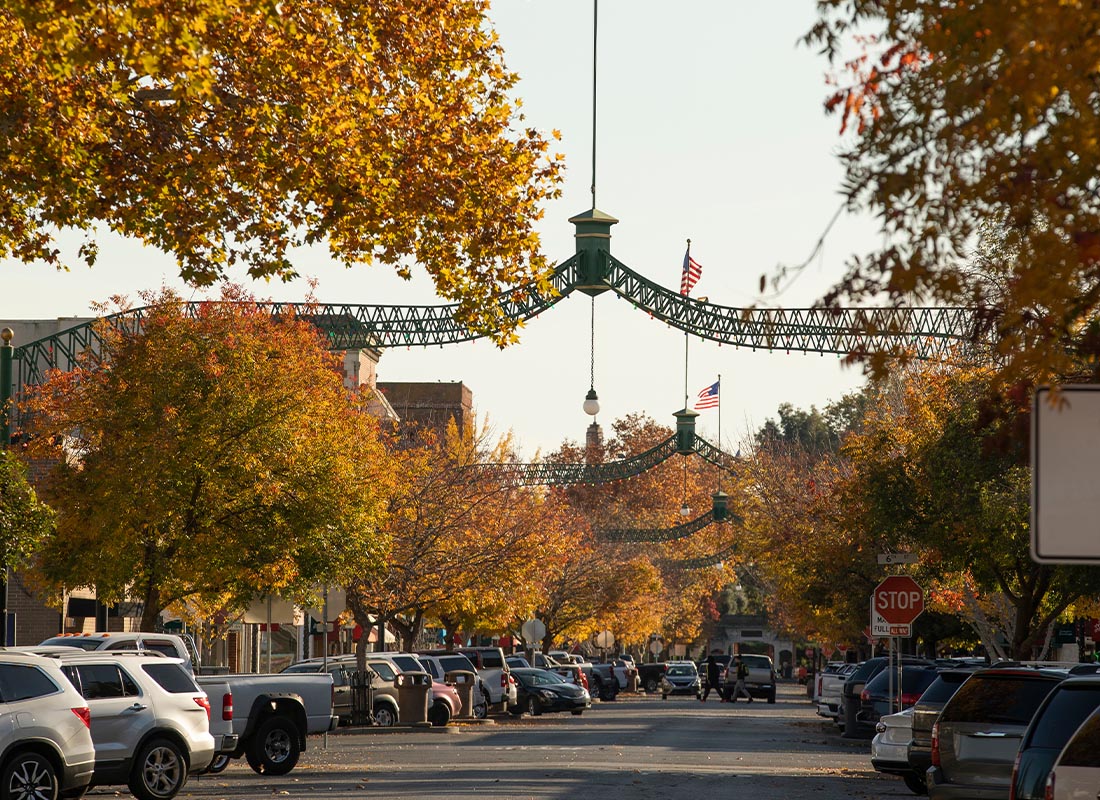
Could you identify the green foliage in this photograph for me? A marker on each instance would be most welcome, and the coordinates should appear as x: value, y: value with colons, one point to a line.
x: 24, y: 521
x: 207, y: 460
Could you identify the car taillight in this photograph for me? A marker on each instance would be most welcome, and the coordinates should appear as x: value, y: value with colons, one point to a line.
x: 203, y: 703
x: 865, y: 695
x: 504, y: 680
x: 1048, y: 793
x: 1015, y: 772
x: 85, y: 715
x: 909, y: 699
x: 818, y: 691
x: 936, y: 745
x: 227, y: 706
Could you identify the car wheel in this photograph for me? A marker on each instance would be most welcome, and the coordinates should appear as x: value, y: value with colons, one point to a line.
x: 275, y: 748
x: 651, y: 685
x: 160, y: 771
x: 515, y: 711
x: 439, y: 714
x: 30, y: 775
x: 915, y: 783
x: 576, y: 712
x: 481, y: 710
x: 771, y: 697
x: 384, y: 716
x: 219, y: 764
x: 533, y: 707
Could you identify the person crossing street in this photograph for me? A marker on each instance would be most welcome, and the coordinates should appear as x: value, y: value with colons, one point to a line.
x: 742, y: 674
x: 714, y: 674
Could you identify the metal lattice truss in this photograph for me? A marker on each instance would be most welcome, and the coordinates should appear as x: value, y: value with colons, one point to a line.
x: 546, y: 473
x: 923, y: 333
x: 926, y: 333
x: 702, y: 562
x: 639, y: 535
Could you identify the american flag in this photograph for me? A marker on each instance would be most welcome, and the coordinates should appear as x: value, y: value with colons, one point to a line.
x: 692, y: 270
x: 708, y: 398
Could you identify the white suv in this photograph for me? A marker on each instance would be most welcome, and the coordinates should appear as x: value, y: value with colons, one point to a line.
x: 150, y: 721
x: 49, y: 751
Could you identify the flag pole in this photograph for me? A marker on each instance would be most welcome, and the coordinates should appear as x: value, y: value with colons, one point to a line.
x: 717, y: 471
x: 686, y: 339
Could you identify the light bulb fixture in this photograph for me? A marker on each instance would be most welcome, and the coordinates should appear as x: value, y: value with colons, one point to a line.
x: 685, y: 510
x: 591, y: 403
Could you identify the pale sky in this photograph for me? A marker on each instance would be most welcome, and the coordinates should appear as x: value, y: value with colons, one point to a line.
x: 710, y: 127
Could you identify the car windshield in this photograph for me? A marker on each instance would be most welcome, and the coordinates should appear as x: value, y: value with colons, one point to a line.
x: 541, y: 678
x: 681, y: 670
x: 66, y: 641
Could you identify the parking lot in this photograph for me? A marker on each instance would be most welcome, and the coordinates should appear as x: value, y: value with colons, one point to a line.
x: 635, y: 747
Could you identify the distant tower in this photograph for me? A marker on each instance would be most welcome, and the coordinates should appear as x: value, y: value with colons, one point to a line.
x: 593, y: 444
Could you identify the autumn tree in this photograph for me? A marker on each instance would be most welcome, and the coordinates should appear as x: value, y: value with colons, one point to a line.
x: 461, y: 540
x: 931, y: 475
x: 24, y: 520
x: 971, y: 122
x: 229, y: 133
x: 206, y: 458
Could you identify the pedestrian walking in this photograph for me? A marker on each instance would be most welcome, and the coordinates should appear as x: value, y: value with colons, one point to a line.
x: 742, y: 674
x: 714, y: 673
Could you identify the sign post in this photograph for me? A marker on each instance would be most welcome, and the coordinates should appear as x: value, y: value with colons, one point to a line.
x: 895, y: 603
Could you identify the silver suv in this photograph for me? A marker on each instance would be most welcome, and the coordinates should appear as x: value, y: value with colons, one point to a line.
x: 439, y: 665
x: 150, y: 722
x: 50, y: 752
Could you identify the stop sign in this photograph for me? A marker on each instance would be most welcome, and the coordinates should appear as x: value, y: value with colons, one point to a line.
x: 899, y: 600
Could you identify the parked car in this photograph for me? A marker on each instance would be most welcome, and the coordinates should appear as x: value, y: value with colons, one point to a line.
x: 494, y: 670
x: 518, y: 661
x: 168, y: 644
x: 539, y: 690
x: 601, y: 684
x: 882, y: 695
x: 1076, y: 771
x: 574, y: 673
x: 50, y: 753
x: 760, y: 682
x: 828, y: 686
x: 542, y: 661
x: 443, y: 702
x: 1054, y: 722
x: 649, y: 675
x: 150, y: 722
x: 623, y: 671
x: 441, y: 665
x: 849, y: 718
x: 927, y: 710
x: 890, y: 749
x: 975, y: 739
x: 681, y: 677
x: 341, y: 682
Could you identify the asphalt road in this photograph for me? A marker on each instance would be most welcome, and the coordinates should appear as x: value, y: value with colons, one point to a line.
x: 635, y: 748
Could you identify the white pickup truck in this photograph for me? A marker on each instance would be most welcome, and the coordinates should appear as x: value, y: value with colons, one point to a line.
x: 270, y: 715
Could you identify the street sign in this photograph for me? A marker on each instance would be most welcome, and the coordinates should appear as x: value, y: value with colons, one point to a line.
x: 880, y: 627
x: 898, y: 558
x: 1065, y: 454
x: 899, y: 600
x: 533, y: 630
x: 604, y: 639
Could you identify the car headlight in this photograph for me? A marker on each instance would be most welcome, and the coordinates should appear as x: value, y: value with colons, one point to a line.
x: 546, y: 694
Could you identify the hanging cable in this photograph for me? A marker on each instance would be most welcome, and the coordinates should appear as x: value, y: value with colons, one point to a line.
x: 591, y: 401
x: 595, y: 17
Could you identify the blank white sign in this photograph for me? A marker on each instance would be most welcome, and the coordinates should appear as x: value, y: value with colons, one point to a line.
x: 1065, y: 475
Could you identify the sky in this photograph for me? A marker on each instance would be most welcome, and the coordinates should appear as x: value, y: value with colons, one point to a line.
x: 710, y: 127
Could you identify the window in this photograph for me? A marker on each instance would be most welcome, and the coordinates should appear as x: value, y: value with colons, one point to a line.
x: 1083, y: 749
x: 492, y: 659
x: 339, y: 675
x: 100, y: 681
x: 382, y: 669
x: 68, y: 641
x: 1006, y: 699
x: 161, y: 646
x: 943, y: 688
x: 23, y: 681
x: 456, y: 664
x: 1066, y: 710
x: 430, y: 667
x: 122, y: 645
x: 171, y: 677
x: 407, y: 663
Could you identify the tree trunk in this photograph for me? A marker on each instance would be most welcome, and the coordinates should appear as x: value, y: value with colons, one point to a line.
x: 151, y: 610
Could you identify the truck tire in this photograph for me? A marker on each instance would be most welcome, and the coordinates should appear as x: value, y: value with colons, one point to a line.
x: 29, y: 774
x: 160, y: 771
x: 275, y: 748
